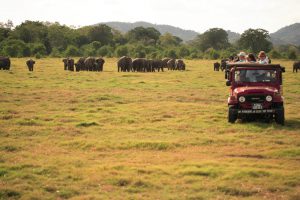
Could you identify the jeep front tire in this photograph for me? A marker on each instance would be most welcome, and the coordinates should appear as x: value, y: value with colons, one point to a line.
x: 279, y: 116
x: 232, y: 114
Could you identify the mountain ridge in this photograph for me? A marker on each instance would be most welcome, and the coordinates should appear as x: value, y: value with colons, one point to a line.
x: 286, y: 35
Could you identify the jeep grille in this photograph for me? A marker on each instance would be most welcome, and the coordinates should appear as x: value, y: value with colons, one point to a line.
x: 255, y: 98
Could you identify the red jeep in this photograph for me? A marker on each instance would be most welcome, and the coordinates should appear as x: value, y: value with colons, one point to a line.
x: 255, y: 91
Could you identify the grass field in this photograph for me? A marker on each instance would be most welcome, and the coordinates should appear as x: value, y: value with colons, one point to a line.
x: 111, y: 135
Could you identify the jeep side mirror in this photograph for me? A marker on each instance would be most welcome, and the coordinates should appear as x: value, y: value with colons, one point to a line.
x: 228, y: 83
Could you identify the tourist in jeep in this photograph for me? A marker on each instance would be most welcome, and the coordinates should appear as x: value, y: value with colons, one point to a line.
x: 251, y: 58
x: 262, y: 58
x: 242, y: 57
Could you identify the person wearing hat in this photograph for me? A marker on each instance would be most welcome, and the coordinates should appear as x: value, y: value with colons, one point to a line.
x: 262, y: 58
x: 242, y: 57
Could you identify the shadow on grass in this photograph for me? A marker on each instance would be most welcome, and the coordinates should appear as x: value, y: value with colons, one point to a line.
x: 290, y: 124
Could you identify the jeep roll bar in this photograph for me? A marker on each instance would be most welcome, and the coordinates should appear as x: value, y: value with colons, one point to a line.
x: 251, y: 65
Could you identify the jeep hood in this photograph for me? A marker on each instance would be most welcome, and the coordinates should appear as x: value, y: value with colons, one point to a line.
x: 255, y: 90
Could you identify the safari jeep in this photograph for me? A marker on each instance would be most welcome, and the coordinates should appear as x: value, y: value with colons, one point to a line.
x: 255, y: 91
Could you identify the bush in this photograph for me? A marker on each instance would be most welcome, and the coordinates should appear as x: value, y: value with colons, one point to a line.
x: 72, y: 51
x: 121, y: 51
x: 38, y: 56
x: 275, y: 54
x: 292, y: 55
x: 55, y: 53
x: 105, y: 51
x: 38, y: 48
x: 15, y: 48
x: 211, y: 54
x: 183, y: 52
x: 171, y: 54
x: 96, y: 45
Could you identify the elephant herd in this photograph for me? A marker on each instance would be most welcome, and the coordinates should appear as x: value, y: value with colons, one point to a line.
x: 84, y: 64
x: 127, y: 64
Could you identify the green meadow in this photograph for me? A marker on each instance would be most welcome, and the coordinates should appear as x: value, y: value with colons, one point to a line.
x: 162, y: 135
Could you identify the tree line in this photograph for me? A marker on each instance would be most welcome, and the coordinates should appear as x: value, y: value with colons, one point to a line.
x: 41, y: 39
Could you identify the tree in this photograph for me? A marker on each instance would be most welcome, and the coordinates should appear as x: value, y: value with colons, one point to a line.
x: 145, y: 35
x: 105, y: 51
x: 255, y: 40
x: 183, y: 52
x: 60, y: 36
x: 4, y: 33
x: 8, y: 25
x: 171, y: 53
x: 121, y: 51
x: 38, y: 48
x: 168, y: 39
x: 118, y: 37
x: 140, y: 51
x: 15, y: 48
x: 101, y: 33
x: 31, y: 31
x: 72, y: 51
x: 292, y: 55
x: 215, y: 38
x: 275, y: 54
x: 212, y: 54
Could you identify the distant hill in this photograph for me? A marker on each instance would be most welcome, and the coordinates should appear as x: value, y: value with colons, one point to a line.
x: 124, y: 27
x: 287, y: 35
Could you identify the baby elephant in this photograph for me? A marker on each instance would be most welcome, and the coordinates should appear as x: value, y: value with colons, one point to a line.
x: 30, y: 63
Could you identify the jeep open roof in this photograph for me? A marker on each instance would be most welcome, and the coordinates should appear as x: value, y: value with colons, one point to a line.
x: 255, y: 65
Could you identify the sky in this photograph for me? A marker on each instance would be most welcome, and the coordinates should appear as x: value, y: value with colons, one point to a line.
x: 197, y: 15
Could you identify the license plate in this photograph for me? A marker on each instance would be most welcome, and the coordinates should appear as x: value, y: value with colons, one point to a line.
x: 256, y: 106
x: 256, y: 111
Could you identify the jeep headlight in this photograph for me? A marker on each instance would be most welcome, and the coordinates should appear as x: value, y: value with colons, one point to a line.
x: 242, y: 99
x: 269, y: 98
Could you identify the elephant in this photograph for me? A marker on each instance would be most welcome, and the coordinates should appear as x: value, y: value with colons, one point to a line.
x: 79, y: 65
x: 139, y: 64
x: 179, y: 64
x: 157, y: 65
x: 99, y: 64
x: 171, y: 64
x: 223, y: 64
x: 216, y: 66
x: 149, y: 65
x: 65, y: 61
x: 296, y: 66
x: 124, y: 64
x: 4, y: 63
x: 30, y: 63
x: 70, y: 63
x: 89, y: 63
x: 165, y: 62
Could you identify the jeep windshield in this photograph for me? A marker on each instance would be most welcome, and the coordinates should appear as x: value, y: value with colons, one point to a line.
x: 255, y: 76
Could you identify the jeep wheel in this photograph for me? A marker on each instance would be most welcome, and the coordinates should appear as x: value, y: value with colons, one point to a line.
x: 232, y: 114
x: 279, y: 116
